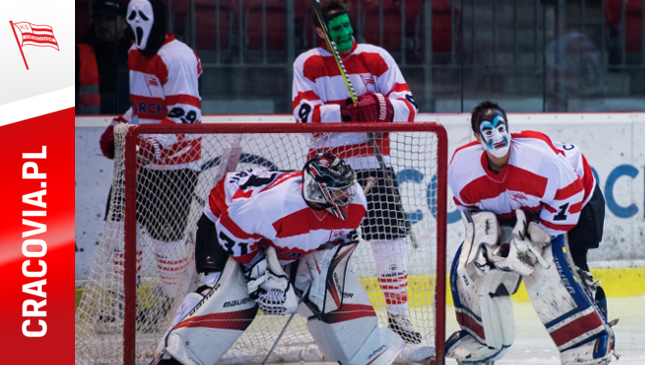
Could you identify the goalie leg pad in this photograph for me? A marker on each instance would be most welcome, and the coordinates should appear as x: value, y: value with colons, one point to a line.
x: 485, y: 314
x: 216, y: 322
x: 351, y: 335
x: 567, y: 310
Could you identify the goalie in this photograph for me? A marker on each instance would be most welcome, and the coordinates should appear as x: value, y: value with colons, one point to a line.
x: 532, y: 209
x: 254, y: 222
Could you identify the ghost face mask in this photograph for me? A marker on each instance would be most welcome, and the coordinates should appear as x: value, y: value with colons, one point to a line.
x: 141, y: 17
x: 340, y: 31
x: 493, y: 133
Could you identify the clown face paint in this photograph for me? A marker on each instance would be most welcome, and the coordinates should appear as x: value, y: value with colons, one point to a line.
x: 494, y: 135
x: 340, y: 31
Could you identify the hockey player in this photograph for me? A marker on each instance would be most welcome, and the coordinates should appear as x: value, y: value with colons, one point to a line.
x: 319, y: 96
x: 164, y: 76
x: 506, y: 180
x: 257, y: 220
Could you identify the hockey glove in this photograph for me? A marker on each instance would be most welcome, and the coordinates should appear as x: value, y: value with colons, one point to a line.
x: 277, y: 296
x: 107, y: 138
x: 255, y: 274
x: 369, y: 107
x: 148, y: 150
x: 517, y: 255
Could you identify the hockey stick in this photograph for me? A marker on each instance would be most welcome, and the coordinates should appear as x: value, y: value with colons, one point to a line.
x: 352, y: 94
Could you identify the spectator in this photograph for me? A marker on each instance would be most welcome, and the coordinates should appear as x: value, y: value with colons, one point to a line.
x: 102, y: 63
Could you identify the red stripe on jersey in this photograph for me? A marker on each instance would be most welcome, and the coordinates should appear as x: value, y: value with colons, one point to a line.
x: 412, y: 113
x: 294, y: 224
x: 465, y: 320
x: 315, y: 118
x: 473, y: 143
x: 152, y: 66
x: 184, y: 99
x: 510, y: 178
x: 306, y: 95
x: 569, y: 190
x: 587, y: 179
x: 241, y: 194
x: 360, y: 63
x: 347, y: 312
x: 398, y: 87
x: 238, y: 320
x: 246, y: 259
x: 575, y: 208
x: 537, y: 135
x: 226, y: 221
x: 148, y: 108
x: 557, y: 227
x: 217, y: 199
x: 576, y: 328
x: 551, y: 209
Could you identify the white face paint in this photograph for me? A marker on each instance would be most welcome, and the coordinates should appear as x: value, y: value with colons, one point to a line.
x: 141, y: 17
x: 494, y: 136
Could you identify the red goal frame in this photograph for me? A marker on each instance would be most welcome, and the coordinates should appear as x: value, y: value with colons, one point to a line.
x: 131, y: 196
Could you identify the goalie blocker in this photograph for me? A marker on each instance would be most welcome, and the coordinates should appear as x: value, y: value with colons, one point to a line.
x: 488, y: 268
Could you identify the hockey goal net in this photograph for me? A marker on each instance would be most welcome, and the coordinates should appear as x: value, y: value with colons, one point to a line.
x: 145, y: 265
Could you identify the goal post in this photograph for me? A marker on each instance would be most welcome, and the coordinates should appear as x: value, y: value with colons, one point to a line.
x: 418, y: 154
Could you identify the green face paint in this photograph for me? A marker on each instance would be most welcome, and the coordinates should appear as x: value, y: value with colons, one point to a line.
x: 340, y: 31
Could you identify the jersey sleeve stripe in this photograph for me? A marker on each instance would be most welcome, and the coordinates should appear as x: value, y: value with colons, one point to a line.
x: 399, y: 87
x: 226, y: 221
x: 304, y: 95
x: 569, y: 190
x: 557, y: 227
x: 575, y: 208
x: 537, y: 135
x: 184, y: 99
x: 412, y: 112
x: 588, y: 180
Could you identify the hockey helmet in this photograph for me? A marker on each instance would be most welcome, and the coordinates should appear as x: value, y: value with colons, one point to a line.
x: 329, y: 181
x: 148, y: 22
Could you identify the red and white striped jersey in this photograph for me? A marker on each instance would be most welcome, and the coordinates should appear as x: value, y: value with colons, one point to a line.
x: 319, y: 90
x: 262, y: 207
x: 164, y: 89
x: 547, y: 180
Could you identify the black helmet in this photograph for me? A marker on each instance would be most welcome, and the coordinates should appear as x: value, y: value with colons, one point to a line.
x: 330, y: 182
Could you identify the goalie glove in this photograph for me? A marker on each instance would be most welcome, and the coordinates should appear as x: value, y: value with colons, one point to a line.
x: 255, y: 274
x: 521, y: 254
x: 277, y: 296
x: 148, y: 150
x: 370, y: 107
x: 106, y: 141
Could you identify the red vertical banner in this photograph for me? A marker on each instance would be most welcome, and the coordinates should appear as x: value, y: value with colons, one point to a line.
x: 37, y: 239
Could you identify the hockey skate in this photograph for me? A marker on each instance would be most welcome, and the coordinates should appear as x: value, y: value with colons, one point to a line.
x: 400, y: 323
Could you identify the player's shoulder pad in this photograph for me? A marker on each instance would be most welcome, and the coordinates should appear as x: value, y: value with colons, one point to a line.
x: 466, y: 152
x: 536, y: 141
x: 176, y: 54
x: 307, y: 55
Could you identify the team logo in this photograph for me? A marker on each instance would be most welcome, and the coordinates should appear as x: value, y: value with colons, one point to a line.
x: 33, y: 35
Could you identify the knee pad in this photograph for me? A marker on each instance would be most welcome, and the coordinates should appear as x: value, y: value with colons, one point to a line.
x: 485, y: 314
x: 567, y: 309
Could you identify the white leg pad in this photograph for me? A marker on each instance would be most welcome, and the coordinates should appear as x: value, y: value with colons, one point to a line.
x: 567, y: 310
x: 351, y: 335
x: 215, y: 323
x: 485, y: 314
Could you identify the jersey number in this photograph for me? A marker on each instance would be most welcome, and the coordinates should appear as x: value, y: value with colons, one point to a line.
x: 561, y: 214
x: 191, y: 117
x: 305, y: 109
x: 257, y: 181
x: 410, y: 98
x: 229, y: 243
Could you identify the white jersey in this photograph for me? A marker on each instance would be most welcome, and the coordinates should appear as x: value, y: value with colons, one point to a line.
x: 164, y: 90
x: 547, y: 180
x: 262, y: 207
x: 319, y: 91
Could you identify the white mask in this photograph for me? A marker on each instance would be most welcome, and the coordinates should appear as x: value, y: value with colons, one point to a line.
x: 494, y: 135
x: 141, y: 17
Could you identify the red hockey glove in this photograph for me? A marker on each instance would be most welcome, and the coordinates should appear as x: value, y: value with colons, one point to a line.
x: 370, y: 107
x: 107, y: 138
x: 148, y: 150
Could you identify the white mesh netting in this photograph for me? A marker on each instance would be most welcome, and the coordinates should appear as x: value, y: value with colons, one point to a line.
x: 166, y: 226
